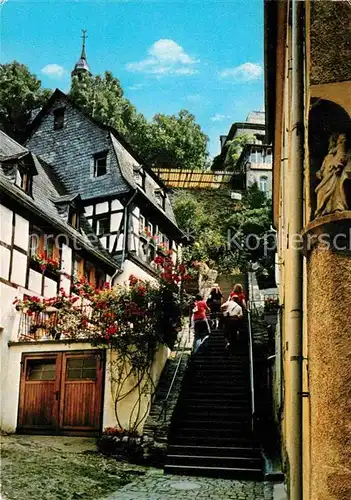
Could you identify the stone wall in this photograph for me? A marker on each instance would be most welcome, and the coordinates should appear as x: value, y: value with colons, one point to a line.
x: 330, y: 41
x: 157, y: 425
x: 329, y: 332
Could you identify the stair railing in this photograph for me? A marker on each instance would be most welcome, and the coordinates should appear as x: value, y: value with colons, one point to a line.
x: 165, y: 401
x: 252, y: 383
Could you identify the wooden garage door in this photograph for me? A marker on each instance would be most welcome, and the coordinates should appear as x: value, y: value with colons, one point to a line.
x: 61, y: 393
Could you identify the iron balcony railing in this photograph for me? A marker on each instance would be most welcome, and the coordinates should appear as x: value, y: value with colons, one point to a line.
x: 251, y: 365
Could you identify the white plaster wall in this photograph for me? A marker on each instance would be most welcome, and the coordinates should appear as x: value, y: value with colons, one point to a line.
x: 65, y: 283
x: 125, y: 408
x: 115, y: 221
x: 136, y: 212
x: 50, y: 288
x: 21, y: 232
x: 103, y: 241
x: 88, y: 210
x: 6, y: 224
x: 66, y: 258
x: 9, y: 319
x: 101, y: 208
x: 5, y: 255
x: 116, y: 205
x: 112, y: 241
x: 132, y: 268
x: 34, y: 283
x: 19, y: 268
x: 120, y: 242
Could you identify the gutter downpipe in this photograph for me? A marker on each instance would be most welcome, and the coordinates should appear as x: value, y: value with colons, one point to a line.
x: 296, y: 225
x: 125, y: 228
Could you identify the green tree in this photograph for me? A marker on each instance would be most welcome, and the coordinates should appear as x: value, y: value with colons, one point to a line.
x: 228, y: 158
x: 20, y: 95
x: 176, y: 141
x: 226, y: 234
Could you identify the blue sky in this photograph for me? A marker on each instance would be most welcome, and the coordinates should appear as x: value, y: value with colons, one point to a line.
x: 205, y: 56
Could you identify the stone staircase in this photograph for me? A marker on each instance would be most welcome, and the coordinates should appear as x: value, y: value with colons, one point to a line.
x: 211, y: 431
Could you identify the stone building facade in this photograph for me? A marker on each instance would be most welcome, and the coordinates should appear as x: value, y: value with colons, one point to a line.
x: 308, y: 89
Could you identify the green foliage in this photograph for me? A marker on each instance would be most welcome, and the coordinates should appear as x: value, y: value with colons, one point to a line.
x: 176, y: 141
x: 227, y: 160
x: 212, y: 218
x: 234, y: 149
x: 20, y: 95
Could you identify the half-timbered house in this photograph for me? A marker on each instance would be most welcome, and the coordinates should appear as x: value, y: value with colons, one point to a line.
x: 57, y: 228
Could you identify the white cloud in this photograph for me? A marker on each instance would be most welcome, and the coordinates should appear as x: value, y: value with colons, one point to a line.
x: 53, y: 70
x: 246, y: 72
x: 165, y: 57
x: 218, y: 117
x: 137, y: 86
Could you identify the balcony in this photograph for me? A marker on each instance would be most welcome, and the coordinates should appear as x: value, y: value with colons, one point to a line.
x: 57, y: 324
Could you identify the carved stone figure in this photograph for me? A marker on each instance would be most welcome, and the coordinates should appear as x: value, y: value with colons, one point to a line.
x: 333, y: 174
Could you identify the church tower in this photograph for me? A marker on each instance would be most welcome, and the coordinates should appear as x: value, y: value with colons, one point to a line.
x: 81, y: 65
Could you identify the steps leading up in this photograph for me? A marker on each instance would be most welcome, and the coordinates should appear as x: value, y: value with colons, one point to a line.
x: 211, y: 432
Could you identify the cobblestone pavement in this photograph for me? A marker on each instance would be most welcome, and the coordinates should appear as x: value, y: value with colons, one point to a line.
x: 157, y: 486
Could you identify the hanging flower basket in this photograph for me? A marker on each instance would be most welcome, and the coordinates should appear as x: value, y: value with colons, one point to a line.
x: 45, y: 262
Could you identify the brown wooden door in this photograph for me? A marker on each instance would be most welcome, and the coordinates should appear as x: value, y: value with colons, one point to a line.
x: 61, y: 393
x: 81, y: 392
x: 39, y: 393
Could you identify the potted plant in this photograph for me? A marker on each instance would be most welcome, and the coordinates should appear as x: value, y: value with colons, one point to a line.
x: 271, y: 308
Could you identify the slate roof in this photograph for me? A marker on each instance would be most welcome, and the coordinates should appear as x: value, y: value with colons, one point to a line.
x: 45, y: 190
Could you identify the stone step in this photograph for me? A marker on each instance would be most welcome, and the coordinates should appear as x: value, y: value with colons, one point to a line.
x: 214, y: 460
x: 214, y: 441
x: 224, y: 472
x: 224, y: 424
x: 231, y: 451
x: 215, y: 432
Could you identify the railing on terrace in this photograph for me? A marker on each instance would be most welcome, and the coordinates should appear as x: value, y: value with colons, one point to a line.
x: 252, y: 383
x: 56, y: 325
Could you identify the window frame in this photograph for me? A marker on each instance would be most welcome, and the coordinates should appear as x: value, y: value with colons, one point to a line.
x: 102, y: 155
x: 59, y: 118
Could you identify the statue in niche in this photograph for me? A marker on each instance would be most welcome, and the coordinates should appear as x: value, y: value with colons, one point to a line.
x: 333, y: 174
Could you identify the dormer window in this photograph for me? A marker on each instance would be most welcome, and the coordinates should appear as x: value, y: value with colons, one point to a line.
x: 160, y: 197
x: 73, y: 217
x: 59, y: 118
x: 100, y: 164
x: 24, y: 180
x: 139, y: 176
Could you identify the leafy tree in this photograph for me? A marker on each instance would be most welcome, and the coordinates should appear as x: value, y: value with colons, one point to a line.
x: 228, y: 158
x: 20, y: 96
x: 234, y: 149
x: 226, y: 234
x: 176, y: 141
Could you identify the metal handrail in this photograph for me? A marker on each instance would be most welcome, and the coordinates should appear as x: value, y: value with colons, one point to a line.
x: 252, y: 384
x: 165, y: 401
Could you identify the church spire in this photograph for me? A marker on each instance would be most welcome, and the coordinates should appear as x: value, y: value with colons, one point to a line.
x: 84, y: 37
x: 82, y: 66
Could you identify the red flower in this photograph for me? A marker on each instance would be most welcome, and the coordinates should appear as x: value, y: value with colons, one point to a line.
x: 159, y: 260
x: 111, y: 330
x: 133, y: 280
x: 181, y: 269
